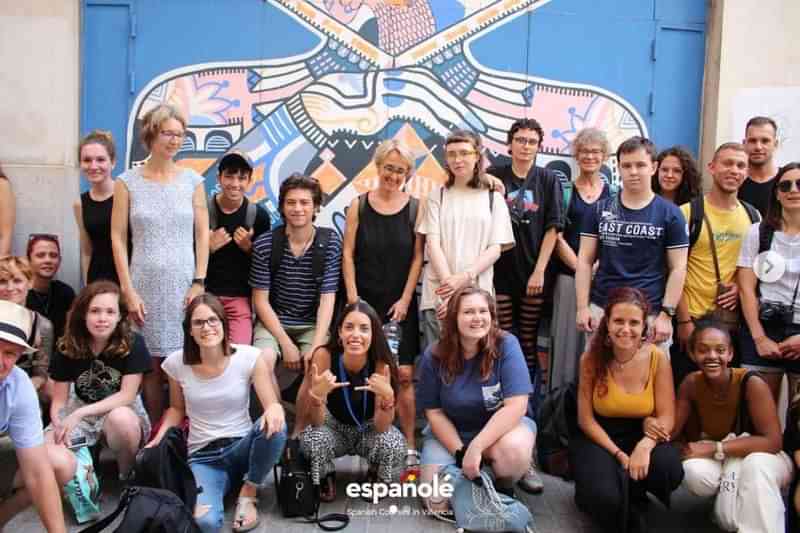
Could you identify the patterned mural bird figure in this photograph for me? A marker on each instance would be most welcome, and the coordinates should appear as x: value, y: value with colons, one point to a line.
x: 321, y: 112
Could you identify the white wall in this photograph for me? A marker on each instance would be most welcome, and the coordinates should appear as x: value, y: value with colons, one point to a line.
x: 39, y: 109
x: 753, y: 67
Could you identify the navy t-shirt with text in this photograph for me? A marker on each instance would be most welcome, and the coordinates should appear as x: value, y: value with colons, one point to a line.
x: 632, y: 246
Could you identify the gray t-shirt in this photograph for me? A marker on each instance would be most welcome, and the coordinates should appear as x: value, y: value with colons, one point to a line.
x: 218, y: 407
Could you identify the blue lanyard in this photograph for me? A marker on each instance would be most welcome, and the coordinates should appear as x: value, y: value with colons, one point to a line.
x: 346, y: 393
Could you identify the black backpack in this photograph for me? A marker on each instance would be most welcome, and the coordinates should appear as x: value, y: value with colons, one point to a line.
x: 249, y: 215
x: 165, y: 467
x: 697, y: 211
x: 149, y: 510
x: 558, y: 418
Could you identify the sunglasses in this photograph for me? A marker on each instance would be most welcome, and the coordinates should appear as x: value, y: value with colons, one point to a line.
x: 43, y: 237
x: 786, y: 185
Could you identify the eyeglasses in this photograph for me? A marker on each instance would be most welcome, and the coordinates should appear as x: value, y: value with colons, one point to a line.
x: 389, y: 169
x: 43, y: 237
x: 173, y: 134
x: 459, y: 154
x: 212, y: 322
x: 592, y: 153
x: 786, y: 185
x: 530, y: 141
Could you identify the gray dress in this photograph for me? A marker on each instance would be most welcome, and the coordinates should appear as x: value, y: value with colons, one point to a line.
x: 161, y: 222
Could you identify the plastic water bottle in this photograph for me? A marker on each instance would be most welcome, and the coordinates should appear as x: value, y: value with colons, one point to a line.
x: 394, y: 335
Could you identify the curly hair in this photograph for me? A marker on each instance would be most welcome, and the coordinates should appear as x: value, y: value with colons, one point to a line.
x: 153, y: 120
x: 10, y: 263
x: 76, y: 342
x: 449, y: 350
x: 590, y: 136
x: 600, y: 352
x: 691, y: 180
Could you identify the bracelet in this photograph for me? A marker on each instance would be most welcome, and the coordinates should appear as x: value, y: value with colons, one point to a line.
x: 459, y: 456
x: 759, y: 338
x: 685, y: 321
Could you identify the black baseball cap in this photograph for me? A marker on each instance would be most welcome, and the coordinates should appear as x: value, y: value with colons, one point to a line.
x: 235, y: 160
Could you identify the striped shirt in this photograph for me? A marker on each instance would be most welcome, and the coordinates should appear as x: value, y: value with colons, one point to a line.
x: 294, y: 293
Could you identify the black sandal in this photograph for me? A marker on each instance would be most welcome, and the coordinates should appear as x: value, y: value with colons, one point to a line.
x: 327, y: 489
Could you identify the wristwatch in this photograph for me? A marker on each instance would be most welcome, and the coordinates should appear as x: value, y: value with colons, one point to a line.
x: 719, y: 455
x: 199, y: 281
x: 670, y: 311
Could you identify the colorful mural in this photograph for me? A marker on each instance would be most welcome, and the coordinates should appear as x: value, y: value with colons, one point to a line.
x: 382, y: 69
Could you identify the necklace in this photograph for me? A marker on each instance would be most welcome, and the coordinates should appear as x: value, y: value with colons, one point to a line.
x: 305, y: 247
x: 622, y: 364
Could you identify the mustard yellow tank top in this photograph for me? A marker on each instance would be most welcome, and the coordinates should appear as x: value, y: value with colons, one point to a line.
x: 617, y: 403
x: 718, y: 416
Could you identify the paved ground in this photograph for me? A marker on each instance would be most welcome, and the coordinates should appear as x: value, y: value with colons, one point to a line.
x: 554, y: 510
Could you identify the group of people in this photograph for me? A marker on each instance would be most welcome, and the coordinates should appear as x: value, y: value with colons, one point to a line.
x: 641, y: 290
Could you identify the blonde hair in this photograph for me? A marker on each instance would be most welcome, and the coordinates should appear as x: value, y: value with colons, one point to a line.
x: 153, y: 119
x: 393, y: 145
x: 101, y: 137
x: 10, y: 263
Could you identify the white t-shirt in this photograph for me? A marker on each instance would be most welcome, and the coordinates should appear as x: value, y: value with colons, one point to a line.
x: 786, y: 246
x: 466, y: 228
x: 219, y: 407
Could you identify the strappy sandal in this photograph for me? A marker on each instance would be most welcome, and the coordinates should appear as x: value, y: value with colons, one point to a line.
x: 240, y: 514
x: 327, y: 489
x: 443, y: 511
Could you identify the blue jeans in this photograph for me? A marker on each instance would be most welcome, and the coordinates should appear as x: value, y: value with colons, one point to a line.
x: 249, y: 458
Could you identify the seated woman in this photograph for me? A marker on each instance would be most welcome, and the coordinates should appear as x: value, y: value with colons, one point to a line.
x: 474, y: 386
x: 48, y: 296
x: 623, y: 380
x: 96, y: 371
x: 713, y: 398
x: 353, y: 380
x: 16, y: 279
x: 209, y: 381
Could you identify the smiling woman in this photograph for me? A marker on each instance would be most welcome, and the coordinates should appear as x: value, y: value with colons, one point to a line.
x: 164, y: 208
x: 623, y: 380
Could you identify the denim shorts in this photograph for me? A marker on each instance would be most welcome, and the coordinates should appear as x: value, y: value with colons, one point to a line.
x: 433, y: 453
x: 777, y: 332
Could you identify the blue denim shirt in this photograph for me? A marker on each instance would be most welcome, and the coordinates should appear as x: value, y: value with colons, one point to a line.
x: 20, y: 416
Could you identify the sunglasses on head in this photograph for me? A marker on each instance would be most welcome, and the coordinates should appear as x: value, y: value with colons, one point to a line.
x: 43, y: 237
x: 786, y: 185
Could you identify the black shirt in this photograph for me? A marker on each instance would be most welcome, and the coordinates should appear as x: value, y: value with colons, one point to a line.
x: 362, y: 403
x: 229, y: 267
x: 98, y: 378
x: 756, y: 194
x: 540, y: 210
x: 53, y: 304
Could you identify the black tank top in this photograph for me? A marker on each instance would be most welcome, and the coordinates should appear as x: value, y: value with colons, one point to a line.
x: 337, y: 404
x: 383, y: 254
x: 97, y: 221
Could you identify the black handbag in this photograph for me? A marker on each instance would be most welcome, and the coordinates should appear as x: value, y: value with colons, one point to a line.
x: 298, y: 497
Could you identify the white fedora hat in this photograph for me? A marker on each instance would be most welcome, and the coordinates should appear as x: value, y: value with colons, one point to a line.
x: 16, y: 325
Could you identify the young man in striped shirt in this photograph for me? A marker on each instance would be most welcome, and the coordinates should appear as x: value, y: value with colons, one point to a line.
x: 294, y: 274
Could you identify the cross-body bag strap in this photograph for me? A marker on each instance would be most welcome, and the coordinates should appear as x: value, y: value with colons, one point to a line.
x: 713, y: 247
